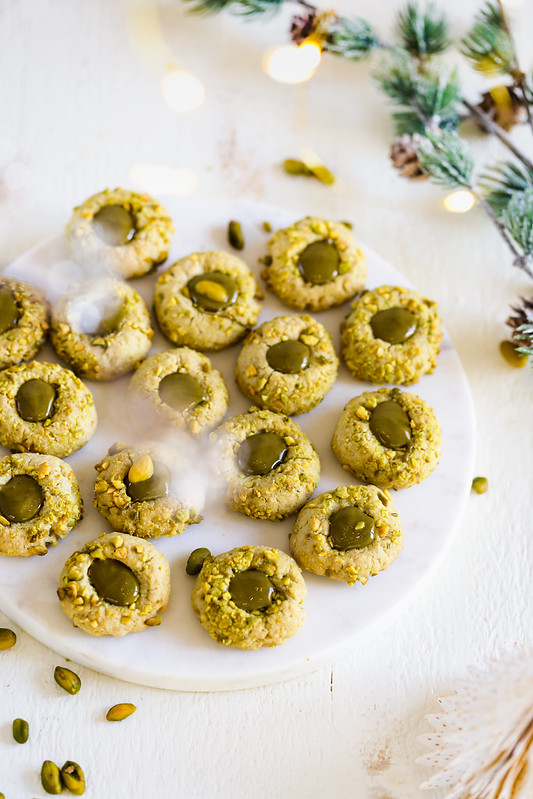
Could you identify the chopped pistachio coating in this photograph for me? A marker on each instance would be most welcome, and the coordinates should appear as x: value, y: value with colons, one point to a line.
x: 328, y: 540
x: 67, y: 679
x: 97, y: 615
x: 181, y: 391
x: 124, y: 232
x: 281, y: 490
x: 287, y: 364
x: 360, y: 451
x: 316, y: 264
x: 196, y: 559
x: 378, y: 360
x: 207, y: 301
x: 391, y: 425
x: 250, y: 597
x: 7, y: 638
x: 21, y: 498
x: 74, y: 414
x: 51, y: 777
x: 261, y: 453
x: 21, y: 730
x: 114, y: 582
x: 40, y: 503
x: 23, y: 321
x: 251, y: 589
x: 394, y: 325
x: 102, y: 329
x: 350, y: 528
x: 9, y: 310
x: 35, y: 400
x: 114, y: 225
x: 73, y: 778
x: 180, y: 388
x: 162, y: 505
x: 288, y: 357
x: 120, y: 712
x: 319, y: 262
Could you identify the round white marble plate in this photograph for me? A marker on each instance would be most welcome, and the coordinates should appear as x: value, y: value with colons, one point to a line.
x: 179, y: 654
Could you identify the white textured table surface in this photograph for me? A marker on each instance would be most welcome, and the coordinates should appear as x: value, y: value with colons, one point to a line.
x: 81, y: 106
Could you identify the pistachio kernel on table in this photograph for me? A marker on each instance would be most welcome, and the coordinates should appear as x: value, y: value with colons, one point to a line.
x: 235, y: 235
x: 20, y: 730
x: 480, y: 485
x: 121, y: 711
x: 67, y: 680
x: 51, y: 777
x: 7, y: 638
x: 73, y: 778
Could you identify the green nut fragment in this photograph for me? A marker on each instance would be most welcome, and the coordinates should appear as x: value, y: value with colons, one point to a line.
x: 323, y: 174
x: 235, y: 236
x: 480, y: 485
x: 120, y: 711
x: 512, y: 355
x: 73, y: 778
x: 7, y: 638
x: 267, y: 227
x: 51, y: 777
x: 294, y: 167
x: 20, y: 731
x: 68, y: 680
x: 196, y: 559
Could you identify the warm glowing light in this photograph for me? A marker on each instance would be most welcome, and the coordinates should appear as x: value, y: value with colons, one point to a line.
x: 182, y: 91
x: 513, y: 3
x: 459, y: 202
x: 292, y: 64
x: 156, y: 179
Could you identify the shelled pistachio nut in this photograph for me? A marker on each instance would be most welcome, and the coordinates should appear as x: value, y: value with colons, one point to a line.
x: 20, y: 730
x: 51, y: 777
x: 120, y: 711
x: 7, y: 638
x: 67, y: 679
x: 73, y: 778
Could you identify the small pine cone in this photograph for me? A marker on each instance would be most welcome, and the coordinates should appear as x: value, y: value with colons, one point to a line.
x: 302, y: 25
x: 404, y: 156
x: 504, y: 106
x: 313, y: 24
x: 524, y: 314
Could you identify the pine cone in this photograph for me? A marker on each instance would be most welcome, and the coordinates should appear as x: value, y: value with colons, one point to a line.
x: 302, y: 25
x: 313, y: 24
x: 404, y: 156
x: 504, y: 106
x: 524, y: 314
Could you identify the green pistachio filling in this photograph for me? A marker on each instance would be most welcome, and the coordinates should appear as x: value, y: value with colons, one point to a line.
x: 350, y: 528
x: 114, y: 582
x: 394, y: 325
x: 251, y: 590
x: 261, y: 453
x: 319, y: 262
x: 288, y: 357
x: 154, y: 487
x: 212, y: 291
x: 181, y: 391
x: 114, y: 225
x: 35, y: 400
x: 21, y: 498
x: 391, y: 425
x: 9, y: 310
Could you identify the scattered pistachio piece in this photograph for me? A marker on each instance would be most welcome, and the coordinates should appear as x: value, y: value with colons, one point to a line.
x: 20, y: 731
x: 120, y: 711
x: 7, y: 638
x: 142, y: 469
x: 267, y: 227
x: 511, y: 354
x: 294, y: 167
x: 196, y: 560
x: 67, y: 679
x: 323, y: 174
x: 51, y: 777
x: 73, y: 778
x: 480, y: 485
x: 235, y: 236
